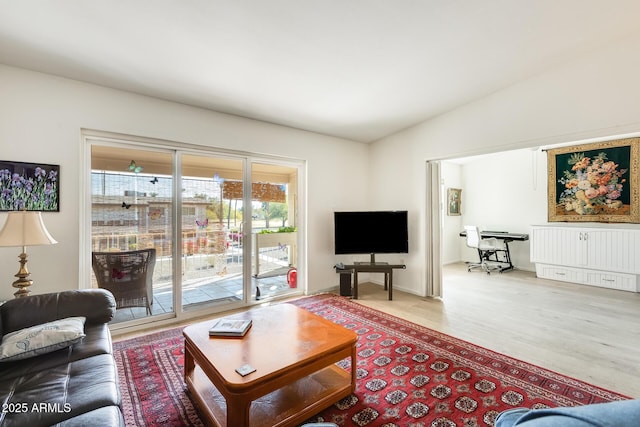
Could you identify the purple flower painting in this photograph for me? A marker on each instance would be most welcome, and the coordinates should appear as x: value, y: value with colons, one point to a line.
x: 29, y: 186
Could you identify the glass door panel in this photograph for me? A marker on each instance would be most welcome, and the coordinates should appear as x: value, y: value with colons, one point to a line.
x: 131, y: 210
x: 216, y: 241
x: 274, y: 236
x: 211, y: 230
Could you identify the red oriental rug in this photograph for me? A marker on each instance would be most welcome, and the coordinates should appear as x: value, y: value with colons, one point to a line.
x: 407, y: 375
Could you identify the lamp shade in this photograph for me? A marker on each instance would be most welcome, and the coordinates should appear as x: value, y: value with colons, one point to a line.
x: 25, y: 228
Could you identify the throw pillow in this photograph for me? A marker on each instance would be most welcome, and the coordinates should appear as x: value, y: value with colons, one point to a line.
x: 41, y: 339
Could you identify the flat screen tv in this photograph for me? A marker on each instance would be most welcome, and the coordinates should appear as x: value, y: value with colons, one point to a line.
x: 371, y: 232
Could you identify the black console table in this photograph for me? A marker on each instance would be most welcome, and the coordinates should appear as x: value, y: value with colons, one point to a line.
x: 368, y: 267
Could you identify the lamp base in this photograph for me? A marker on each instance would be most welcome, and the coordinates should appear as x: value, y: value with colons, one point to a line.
x: 23, y: 281
x: 22, y: 284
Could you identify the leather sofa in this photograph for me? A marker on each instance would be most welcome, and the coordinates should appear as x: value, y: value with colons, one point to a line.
x: 72, y: 386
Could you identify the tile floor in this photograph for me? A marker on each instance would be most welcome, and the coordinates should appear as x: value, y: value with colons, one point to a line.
x: 213, y: 281
x: 206, y: 291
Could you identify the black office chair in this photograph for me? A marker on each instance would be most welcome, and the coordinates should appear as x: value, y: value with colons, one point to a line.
x: 488, y: 250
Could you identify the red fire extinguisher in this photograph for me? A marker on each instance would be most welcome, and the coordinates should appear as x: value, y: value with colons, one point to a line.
x: 292, y: 277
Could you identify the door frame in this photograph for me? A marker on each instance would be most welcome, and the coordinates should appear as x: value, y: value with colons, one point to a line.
x: 90, y: 137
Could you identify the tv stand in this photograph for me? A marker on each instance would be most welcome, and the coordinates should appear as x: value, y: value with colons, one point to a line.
x: 370, y: 263
x: 370, y: 267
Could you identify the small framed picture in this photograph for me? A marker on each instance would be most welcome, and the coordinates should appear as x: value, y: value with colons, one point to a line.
x: 29, y: 186
x: 454, y: 200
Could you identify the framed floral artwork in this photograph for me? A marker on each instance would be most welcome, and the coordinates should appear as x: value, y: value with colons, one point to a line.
x: 29, y: 186
x: 595, y: 182
x: 454, y: 200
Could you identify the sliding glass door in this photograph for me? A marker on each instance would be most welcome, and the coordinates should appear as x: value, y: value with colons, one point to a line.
x: 274, y: 231
x: 212, y: 258
x: 132, y: 208
x: 223, y: 228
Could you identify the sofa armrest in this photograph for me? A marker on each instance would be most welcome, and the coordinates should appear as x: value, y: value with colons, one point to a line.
x: 97, y: 305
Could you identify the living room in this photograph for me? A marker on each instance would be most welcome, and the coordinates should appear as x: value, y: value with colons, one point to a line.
x: 589, y: 94
x: 585, y: 97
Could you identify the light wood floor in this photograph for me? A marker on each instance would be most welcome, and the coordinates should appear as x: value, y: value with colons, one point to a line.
x: 588, y: 333
x: 591, y: 334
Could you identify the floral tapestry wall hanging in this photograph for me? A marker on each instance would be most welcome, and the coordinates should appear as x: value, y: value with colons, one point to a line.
x: 29, y: 186
x: 595, y: 182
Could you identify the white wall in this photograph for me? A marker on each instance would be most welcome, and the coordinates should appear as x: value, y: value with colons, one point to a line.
x: 588, y: 97
x: 40, y: 121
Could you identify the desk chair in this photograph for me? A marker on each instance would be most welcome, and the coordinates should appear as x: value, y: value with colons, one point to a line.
x: 488, y: 250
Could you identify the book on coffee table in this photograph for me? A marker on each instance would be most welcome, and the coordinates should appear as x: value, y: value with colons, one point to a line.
x: 230, y: 327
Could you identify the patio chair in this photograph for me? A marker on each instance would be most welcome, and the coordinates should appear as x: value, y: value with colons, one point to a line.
x: 127, y: 275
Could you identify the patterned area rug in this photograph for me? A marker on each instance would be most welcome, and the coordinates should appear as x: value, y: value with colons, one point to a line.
x: 150, y: 371
x: 407, y: 375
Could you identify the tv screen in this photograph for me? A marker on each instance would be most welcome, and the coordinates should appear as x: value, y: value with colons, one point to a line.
x: 370, y: 232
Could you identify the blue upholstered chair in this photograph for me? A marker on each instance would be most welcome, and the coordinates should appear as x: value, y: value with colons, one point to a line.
x: 625, y: 413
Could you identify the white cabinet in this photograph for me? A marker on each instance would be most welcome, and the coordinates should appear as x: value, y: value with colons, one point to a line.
x: 621, y: 281
x: 614, y: 250
x: 606, y: 257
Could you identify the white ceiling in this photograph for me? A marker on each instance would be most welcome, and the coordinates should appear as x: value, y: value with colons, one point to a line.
x: 358, y: 69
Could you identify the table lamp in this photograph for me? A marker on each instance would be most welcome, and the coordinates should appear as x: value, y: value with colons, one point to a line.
x: 24, y: 228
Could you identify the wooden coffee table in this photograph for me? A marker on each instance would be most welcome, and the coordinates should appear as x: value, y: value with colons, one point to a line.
x: 294, y: 353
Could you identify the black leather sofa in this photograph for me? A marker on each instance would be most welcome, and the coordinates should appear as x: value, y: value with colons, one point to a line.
x: 72, y: 386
